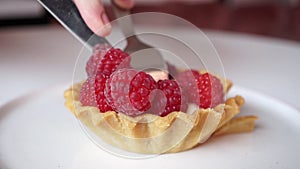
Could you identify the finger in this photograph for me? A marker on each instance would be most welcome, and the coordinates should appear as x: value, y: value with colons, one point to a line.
x: 126, y: 4
x: 93, y: 13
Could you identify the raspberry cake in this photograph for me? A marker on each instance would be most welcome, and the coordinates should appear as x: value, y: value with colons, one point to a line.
x: 129, y: 109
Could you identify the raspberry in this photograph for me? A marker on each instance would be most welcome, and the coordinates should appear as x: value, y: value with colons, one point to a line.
x: 173, y: 99
x: 204, y: 90
x: 106, y: 59
x: 210, y: 91
x: 128, y: 91
x: 187, y: 79
x: 140, y: 89
x: 99, y: 51
x: 87, y: 94
x: 92, y: 92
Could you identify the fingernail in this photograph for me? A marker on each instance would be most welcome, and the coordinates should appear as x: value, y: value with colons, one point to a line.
x: 106, y: 25
x: 104, y: 18
x: 126, y: 4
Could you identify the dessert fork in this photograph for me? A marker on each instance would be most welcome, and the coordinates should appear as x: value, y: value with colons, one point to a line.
x: 143, y: 55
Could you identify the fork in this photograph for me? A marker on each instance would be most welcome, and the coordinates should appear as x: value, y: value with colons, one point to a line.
x: 144, y: 56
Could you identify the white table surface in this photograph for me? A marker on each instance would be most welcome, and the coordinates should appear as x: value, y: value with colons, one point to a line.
x: 33, y: 58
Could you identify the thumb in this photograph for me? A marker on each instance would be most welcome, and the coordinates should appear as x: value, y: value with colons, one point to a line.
x: 93, y: 13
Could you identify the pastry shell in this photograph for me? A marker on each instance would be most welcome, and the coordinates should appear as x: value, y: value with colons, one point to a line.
x: 151, y: 134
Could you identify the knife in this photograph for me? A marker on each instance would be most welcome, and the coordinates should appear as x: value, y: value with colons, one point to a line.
x: 66, y: 12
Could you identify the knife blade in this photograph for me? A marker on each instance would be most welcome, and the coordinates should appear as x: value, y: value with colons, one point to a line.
x: 66, y: 12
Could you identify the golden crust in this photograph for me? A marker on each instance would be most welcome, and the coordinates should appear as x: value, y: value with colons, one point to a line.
x: 153, y: 134
x: 237, y: 125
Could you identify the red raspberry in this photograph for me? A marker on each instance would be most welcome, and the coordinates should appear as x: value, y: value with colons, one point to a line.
x: 106, y: 59
x: 87, y: 94
x: 92, y: 92
x: 128, y: 91
x: 140, y: 89
x: 99, y: 51
x: 172, y: 99
x: 210, y: 90
x: 187, y: 79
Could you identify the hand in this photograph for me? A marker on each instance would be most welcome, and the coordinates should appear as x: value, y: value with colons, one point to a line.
x: 93, y: 13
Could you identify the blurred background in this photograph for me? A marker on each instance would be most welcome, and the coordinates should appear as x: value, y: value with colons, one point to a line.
x: 274, y: 18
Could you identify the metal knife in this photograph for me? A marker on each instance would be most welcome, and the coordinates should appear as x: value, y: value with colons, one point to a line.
x: 66, y: 12
x: 68, y: 15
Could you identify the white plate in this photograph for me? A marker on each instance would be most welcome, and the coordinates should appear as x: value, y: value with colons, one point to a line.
x: 37, y: 131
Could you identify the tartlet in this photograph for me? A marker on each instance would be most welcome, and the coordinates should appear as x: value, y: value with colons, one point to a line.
x: 152, y: 134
